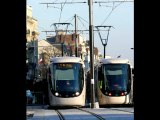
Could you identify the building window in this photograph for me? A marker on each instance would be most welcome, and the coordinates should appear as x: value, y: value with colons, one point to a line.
x: 28, y: 31
x: 33, y: 33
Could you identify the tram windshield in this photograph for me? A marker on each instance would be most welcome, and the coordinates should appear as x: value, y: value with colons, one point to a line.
x: 116, y: 76
x: 67, y: 77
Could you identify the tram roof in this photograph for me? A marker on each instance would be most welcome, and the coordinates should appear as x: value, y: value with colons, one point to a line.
x: 114, y: 60
x: 66, y: 59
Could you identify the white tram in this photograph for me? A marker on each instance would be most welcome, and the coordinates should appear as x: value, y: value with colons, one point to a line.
x: 114, y: 81
x: 66, y: 81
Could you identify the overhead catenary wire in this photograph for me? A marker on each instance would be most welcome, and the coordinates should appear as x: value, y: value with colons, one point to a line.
x: 81, y: 22
x: 109, y: 1
x: 99, y: 2
x: 69, y: 19
x: 62, y: 10
x: 113, y: 8
x: 56, y: 2
x: 53, y: 6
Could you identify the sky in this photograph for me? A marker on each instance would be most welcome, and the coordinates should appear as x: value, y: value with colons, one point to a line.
x: 116, y: 14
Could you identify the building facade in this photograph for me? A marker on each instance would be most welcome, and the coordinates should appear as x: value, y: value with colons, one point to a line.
x: 69, y: 45
x: 31, y: 45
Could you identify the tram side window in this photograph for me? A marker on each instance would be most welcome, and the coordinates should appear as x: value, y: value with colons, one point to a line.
x: 81, y: 76
x: 49, y: 74
x: 129, y: 79
x: 100, y: 77
x: 81, y: 73
x: 49, y: 78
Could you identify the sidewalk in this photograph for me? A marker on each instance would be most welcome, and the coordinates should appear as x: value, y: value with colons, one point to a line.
x: 30, y: 109
x: 29, y: 114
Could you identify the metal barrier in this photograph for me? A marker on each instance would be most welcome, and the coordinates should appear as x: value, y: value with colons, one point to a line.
x: 36, y: 98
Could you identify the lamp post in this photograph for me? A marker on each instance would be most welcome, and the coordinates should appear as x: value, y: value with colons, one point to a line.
x: 76, y: 40
x: 119, y: 56
x: 90, y: 3
x: 133, y: 55
x: 104, y: 38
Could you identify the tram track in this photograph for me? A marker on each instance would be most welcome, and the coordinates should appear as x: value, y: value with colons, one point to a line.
x: 61, y: 117
x: 99, y: 117
x: 120, y: 110
x: 94, y: 114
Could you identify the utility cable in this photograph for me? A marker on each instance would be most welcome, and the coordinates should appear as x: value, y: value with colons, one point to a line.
x: 113, y: 8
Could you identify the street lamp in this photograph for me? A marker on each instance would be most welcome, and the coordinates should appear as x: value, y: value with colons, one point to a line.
x: 119, y: 56
x: 133, y: 55
x: 103, y: 37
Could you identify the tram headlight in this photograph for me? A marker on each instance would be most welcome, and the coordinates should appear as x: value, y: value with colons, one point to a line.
x: 56, y: 94
x: 122, y: 93
x: 77, y: 93
x: 109, y: 94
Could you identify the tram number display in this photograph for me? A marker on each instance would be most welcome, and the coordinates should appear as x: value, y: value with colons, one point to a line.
x: 66, y: 65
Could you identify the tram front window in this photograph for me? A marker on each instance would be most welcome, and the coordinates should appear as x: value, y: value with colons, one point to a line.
x: 115, y: 77
x: 67, y: 77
